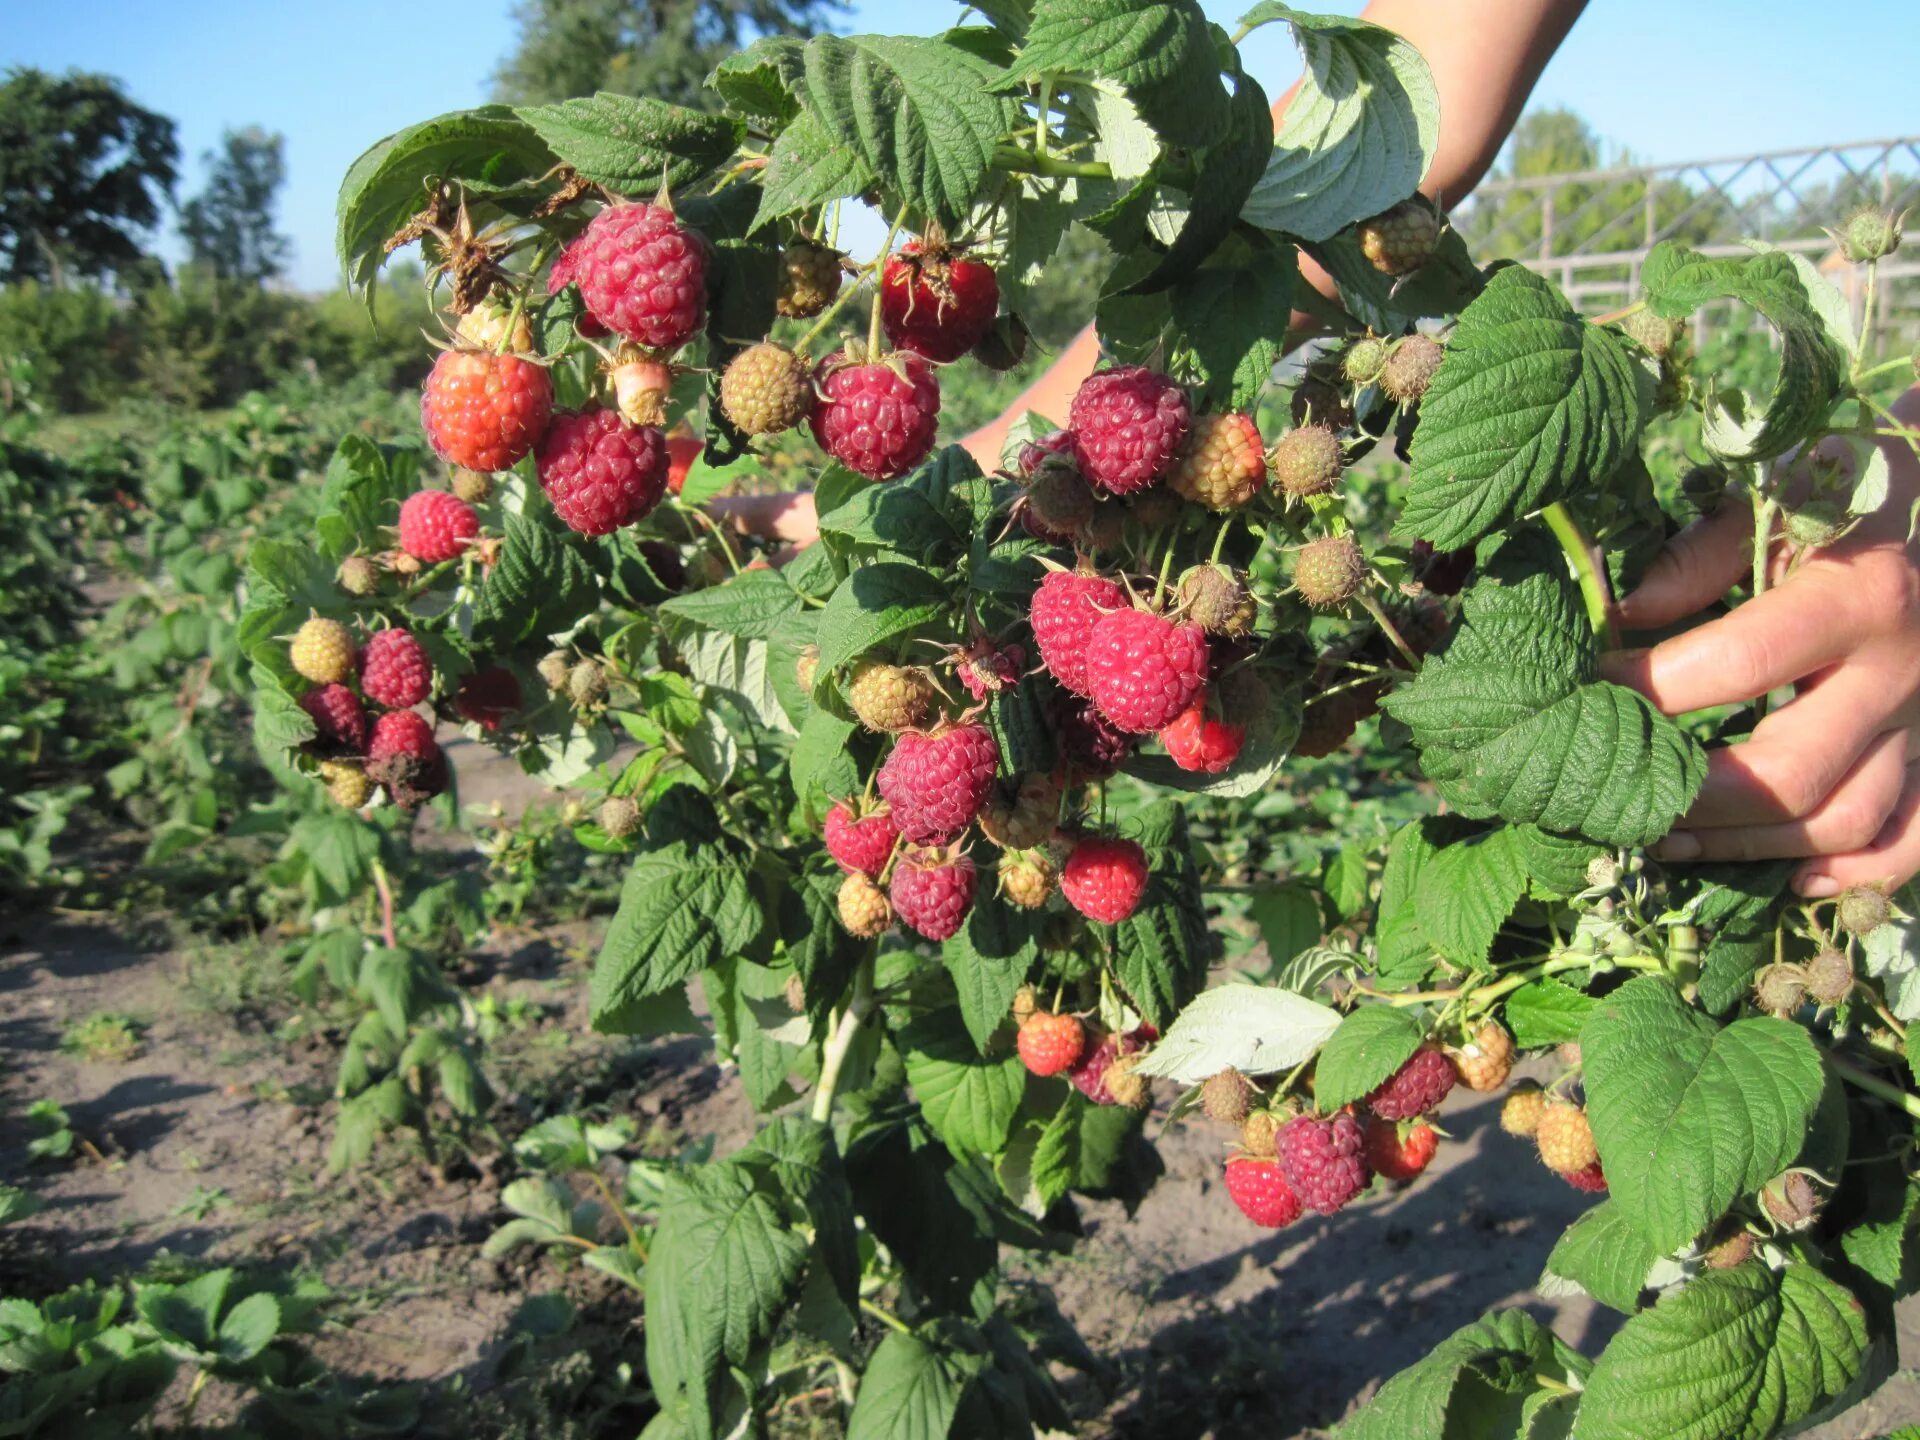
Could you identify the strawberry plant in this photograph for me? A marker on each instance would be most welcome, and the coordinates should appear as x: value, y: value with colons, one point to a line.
x: 953, y: 912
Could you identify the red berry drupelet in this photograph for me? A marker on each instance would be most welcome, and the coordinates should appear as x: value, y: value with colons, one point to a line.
x: 600, y: 472
x: 1260, y: 1189
x: 1089, y: 1072
x: 878, y: 419
x: 488, y: 697
x: 405, y: 758
x: 1066, y: 605
x: 394, y: 670
x: 1143, y: 669
x: 1415, y: 1088
x: 932, y: 891
x: 485, y: 411
x: 1590, y: 1178
x: 1128, y: 424
x: 936, y: 784
x: 642, y: 274
x: 1199, y: 741
x: 860, y: 846
x: 338, y: 719
x: 436, y: 526
x: 1397, y: 1157
x: 937, y: 302
x: 1105, y: 877
x: 1050, y: 1043
x: 1324, y: 1160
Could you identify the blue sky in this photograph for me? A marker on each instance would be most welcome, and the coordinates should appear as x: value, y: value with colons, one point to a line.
x: 1666, y: 79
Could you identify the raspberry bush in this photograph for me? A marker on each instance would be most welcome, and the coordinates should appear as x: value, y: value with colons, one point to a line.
x: 874, y: 862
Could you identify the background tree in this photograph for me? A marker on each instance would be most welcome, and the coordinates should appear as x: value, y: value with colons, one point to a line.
x: 661, y: 48
x: 83, y: 174
x: 229, y: 226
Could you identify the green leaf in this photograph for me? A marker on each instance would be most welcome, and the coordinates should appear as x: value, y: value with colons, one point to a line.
x: 1467, y: 891
x: 631, y: 144
x: 910, y: 1391
x: 1357, y: 136
x: 989, y: 960
x: 968, y: 1100
x: 1233, y: 321
x: 1813, y: 366
x: 806, y: 1162
x: 750, y: 605
x: 874, y: 604
x: 341, y: 848
x: 386, y: 185
x: 1254, y: 1029
x: 1530, y: 405
x: 1160, y: 951
x: 822, y: 766
x: 1468, y: 1387
x: 540, y: 585
x: 808, y: 166
x: 1289, y: 920
x: 1605, y: 1255
x: 1511, y: 719
x: 248, y: 1328
x: 762, y: 80
x: 1734, y: 1355
x: 362, y: 491
x: 1224, y: 177
x: 1546, y: 1012
x: 724, y: 1264
x: 1371, y: 1043
x: 928, y: 518
x: 1159, y: 52
x: 1689, y: 1116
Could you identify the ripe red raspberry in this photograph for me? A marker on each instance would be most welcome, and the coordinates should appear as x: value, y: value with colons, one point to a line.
x: 765, y: 389
x: 860, y: 846
x: 1144, y: 669
x: 600, y: 472
x: 938, y: 783
x: 485, y: 411
x: 877, y: 419
x: 682, y: 451
x: 1261, y: 1191
x: 404, y: 757
x: 436, y: 526
x: 1415, y: 1088
x: 643, y: 274
x: 1398, y: 1157
x: 936, y: 301
x: 394, y: 670
x: 1324, y: 1160
x: 1066, y: 606
x: 1105, y: 877
x: 1090, y: 746
x: 1091, y: 1073
x: 488, y: 697
x: 564, y: 272
x: 1590, y: 1178
x: 1128, y: 424
x: 339, y: 722
x: 933, y: 891
x: 1222, y: 464
x: 1401, y: 240
x: 1330, y: 571
x: 1199, y: 741
x: 1050, y: 1043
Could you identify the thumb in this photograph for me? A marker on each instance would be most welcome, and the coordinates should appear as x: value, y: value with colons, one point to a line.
x: 1696, y: 568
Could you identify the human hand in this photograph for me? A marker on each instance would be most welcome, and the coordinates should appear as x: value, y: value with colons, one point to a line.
x: 1832, y: 775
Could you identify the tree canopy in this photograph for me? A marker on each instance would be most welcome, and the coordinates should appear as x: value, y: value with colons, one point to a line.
x: 229, y: 226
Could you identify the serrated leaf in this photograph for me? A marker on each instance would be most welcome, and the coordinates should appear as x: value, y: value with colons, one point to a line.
x: 1252, y: 1028
x: 1451, y: 1391
x: 762, y: 80
x: 910, y: 1391
x: 1689, y: 1116
x: 1531, y: 404
x: 633, y: 144
x: 989, y: 960
x: 1357, y: 136
x: 1511, y: 719
x: 1158, y: 51
x: 1546, y: 1012
x: 1371, y: 1043
x: 749, y: 605
x: 969, y: 1100
x: 808, y: 166
x: 540, y: 585
x: 874, y: 604
x: 1233, y: 319
x: 1160, y: 954
x: 1467, y: 891
x: 1606, y: 1256
x: 1734, y: 1355
x: 1224, y: 177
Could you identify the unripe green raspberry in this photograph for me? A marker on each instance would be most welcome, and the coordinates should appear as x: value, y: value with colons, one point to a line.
x: 1790, y: 1200
x: 1829, y: 977
x: 1257, y: 1132
x: 1125, y: 1085
x: 1654, y: 333
x: 358, y: 576
x: 864, y: 907
x: 1780, y: 989
x: 810, y: 278
x: 1565, y: 1138
x: 1329, y: 571
x: 587, y: 683
x: 1027, y: 880
x: 1401, y: 240
x: 1411, y: 367
x: 1227, y: 1096
x: 1521, y: 1112
x: 766, y: 389
x: 472, y: 486
x: 1730, y: 1253
x: 1154, y: 510
x: 347, y: 785
x: 554, y: 668
x: 1216, y: 600
x: 619, y: 816
x: 1025, y: 1002
x: 1869, y: 234
x: 1364, y: 359
x: 1815, y: 523
x: 806, y: 667
x: 1104, y: 530
x: 889, y: 698
x: 1307, y: 461
x: 1028, y: 819
x: 322, y: 651
x: 1603, y: 872
x: 1862, y: 910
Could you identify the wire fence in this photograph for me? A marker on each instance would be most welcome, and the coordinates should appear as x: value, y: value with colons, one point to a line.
x: 1591, y: 231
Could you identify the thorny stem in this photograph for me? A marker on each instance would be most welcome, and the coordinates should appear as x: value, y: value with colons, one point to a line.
x: 718, y: 534
x: 834, y: 1057
x: 1583, y: 556
x: 879, y: 282
x: 386, y: 905
x: 1875, y: 1086
x: 1550, y: 965
x: 1390, y: 630
x: 1866, y: 317
x: 1220, y: 540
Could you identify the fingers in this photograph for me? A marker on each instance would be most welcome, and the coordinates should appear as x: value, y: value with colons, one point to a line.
x: 1891, y: 860
x: 1845, y: 822
x: 1695, y: 568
